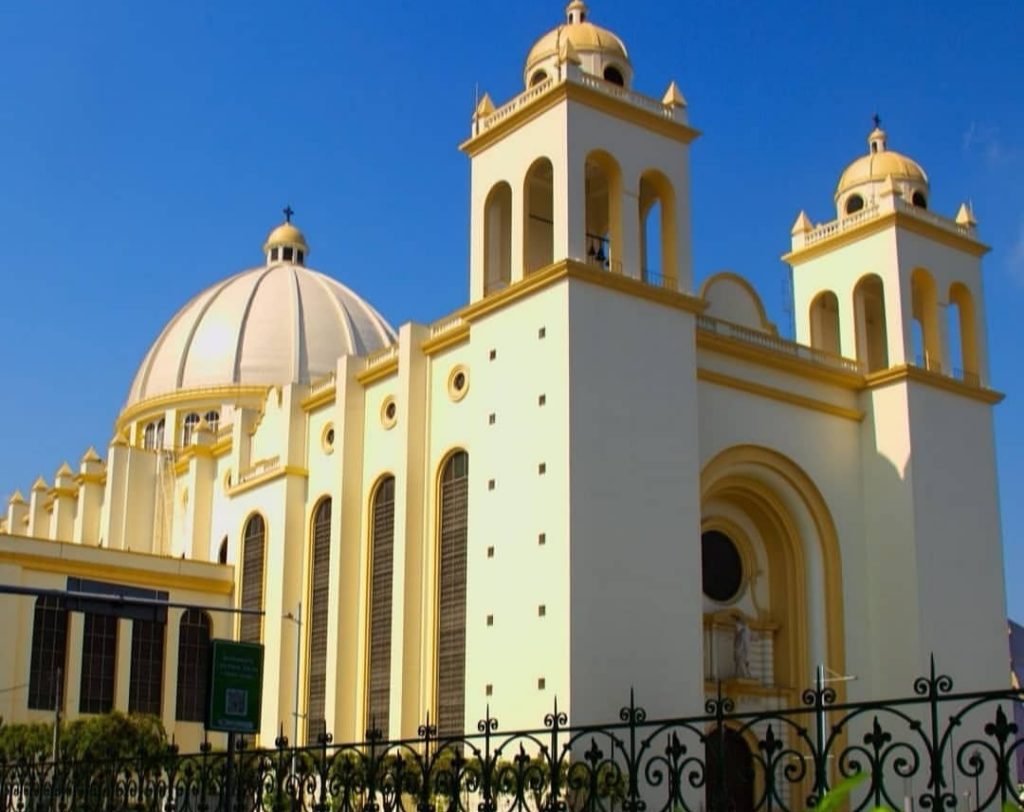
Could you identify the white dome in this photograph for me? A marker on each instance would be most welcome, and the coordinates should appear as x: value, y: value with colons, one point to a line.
x: 275, y: 324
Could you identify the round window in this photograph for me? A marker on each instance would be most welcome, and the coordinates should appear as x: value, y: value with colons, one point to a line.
x: 721, y: 566
x: 389, y: 412
x: 458, y: 383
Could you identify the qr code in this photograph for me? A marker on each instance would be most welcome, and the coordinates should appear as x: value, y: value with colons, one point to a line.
x: 236, y: 702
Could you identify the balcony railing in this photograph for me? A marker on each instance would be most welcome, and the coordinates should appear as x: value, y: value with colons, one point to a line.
x: 774, y: 343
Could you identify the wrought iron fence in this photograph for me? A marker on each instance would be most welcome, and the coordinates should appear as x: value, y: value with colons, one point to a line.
x: 935, y: 750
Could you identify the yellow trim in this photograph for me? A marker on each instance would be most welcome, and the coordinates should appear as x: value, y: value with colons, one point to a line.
x: 146, y: 575
x: 91, y: 479
x: 763, y: 356
x: 221, y: 447
x: 571, y: 269
x: 781, y: 395
x: 906, y: 372
x: 870, y: 227
x: 212, y: 394
x: 318, y: 399
x: 743, y: 283
x: 385, y: 421
x: 377, y: 373
x: 269, y: 476
x: 63, y: 492
x: 453, y: 337
x: 570, y: 91
x: 458, y: 394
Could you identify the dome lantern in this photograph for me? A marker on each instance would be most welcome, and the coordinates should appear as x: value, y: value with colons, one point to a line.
x: 882, y: 171
x: 286, y: 243
x: 599, y: 51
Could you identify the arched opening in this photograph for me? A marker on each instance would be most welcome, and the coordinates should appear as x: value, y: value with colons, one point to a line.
x: 657, y: 229
x: 498, y: 238
x: 869, y: 312
x: 919, y: 200
x: 603, y: 190
x: 212, y: 419
x: 963, y: 333
x: 191, y: 421
x: 319, y: 602
x: 49, y: 652
x: 824, y: 314
x: 222, y: 552
x: 538, y: 245
x: 159, y: 442
x: 149, y: 436
x: 193, y: 665
x: 729, y: 771
x: 854, y: 203
x: 614, y: 75
x: 925, y: 336
x: 538, y: 77
x: 253, y: 542
x: 453, y: 536
x: 382, y: 541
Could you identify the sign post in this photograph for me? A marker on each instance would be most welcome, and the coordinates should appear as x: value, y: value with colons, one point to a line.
x: 236, y: 696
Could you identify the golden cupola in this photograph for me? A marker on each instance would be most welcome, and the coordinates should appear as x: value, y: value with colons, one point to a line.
x: 597, y: 50
x: 882, y: 170
x: 286, y: 243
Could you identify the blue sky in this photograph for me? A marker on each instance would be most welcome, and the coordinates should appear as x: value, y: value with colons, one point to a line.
x: 148, y: 148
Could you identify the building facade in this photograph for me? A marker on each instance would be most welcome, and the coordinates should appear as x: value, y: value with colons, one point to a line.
x: 594, y: 476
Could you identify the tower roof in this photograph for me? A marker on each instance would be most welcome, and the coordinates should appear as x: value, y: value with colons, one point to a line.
x: 880, y: 163
x: 584, y: 36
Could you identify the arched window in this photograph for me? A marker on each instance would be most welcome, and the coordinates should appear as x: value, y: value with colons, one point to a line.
x: 159, y: 440
x: 191, y: 421
x: 222, y: 553
x: 212, y: 419
x: 539, y: 248
x: 498, y: 238
x: 927, y: 344
x: 869, y: 310
x: 149, y: 436
x: 253, y: 541
x: 319, y: 599
x: 193, y: 665
x: 854, y: 203
x: 49, y: 652
x: 657, y: 229
x: 146, y: 678
x: 825, y: 322
x: 382, y: 541
x: 919, y: 200
x: 963, y: 334
x: 614, y: 75
x: 537, y: 78
x: 603, y: 187
x: 453, y: 529
x: 99, y: 661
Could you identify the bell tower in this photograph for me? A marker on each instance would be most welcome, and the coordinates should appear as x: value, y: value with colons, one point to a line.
x: 579, y: 166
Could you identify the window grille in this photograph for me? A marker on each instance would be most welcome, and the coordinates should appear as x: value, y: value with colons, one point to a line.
x: 451, y: 644
x: 49, y: 652
x: 145, y: 685
x: 381, y: 577
x: 320, y: 585
x: 99, y: 659
x: 251, y: 630
x: 193, y: 666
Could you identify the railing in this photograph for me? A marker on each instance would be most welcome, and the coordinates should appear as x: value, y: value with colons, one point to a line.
x: 619, y: 92
x: 934, y: 750
x: 382, y: 357
x: 933, y: 218
x: 322, y: 384
x: 446, y: 325
x: 258, y: 468
x: 970, y: 378
x: 519, y: 101
x: 773, y: 342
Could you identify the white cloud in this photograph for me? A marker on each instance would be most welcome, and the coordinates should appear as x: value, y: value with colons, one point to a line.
x: 984, y: 140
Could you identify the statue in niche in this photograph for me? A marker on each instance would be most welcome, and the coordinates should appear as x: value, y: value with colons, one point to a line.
x: 741, y: 648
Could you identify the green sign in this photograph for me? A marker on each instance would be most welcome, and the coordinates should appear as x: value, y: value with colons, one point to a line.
x: 236, y: 686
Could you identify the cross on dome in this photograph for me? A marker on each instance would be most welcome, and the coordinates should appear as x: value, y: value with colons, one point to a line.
x: 289, y: 211
x: 286, y: 243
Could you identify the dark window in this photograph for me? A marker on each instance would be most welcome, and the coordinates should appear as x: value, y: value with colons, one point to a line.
x: 145, y: 685
x: 459, y: 382
x: 273, y: 254
x: 287, y: 254
x: 537, y: 78
x: 300, y: 257
x: 451, y: 634
x: 614, y: 75
x: 160, y: 433
x: 99, y: 659
x: 149, y: 436
x: 381, y: 576
x: 390, y: 411
x: 191, y: 421
x: 919, y: 200
x: 222, y: 553
x: 193, y: 666
x: 49, y: 652
x: 320, y: 586
x: 721, y: 566
x: 251, y: 626
x: 854, y: 203
x: 212, y: 419
x: 730, y: 785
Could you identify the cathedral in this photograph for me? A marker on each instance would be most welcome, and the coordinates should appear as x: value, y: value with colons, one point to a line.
x: 594, y: 476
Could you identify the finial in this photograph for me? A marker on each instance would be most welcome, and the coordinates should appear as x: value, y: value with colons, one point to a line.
x: 802, y: 225
x: 288, y: 212
x: 878, y: 121
x: 673, y: 96
x: 576, y: 12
